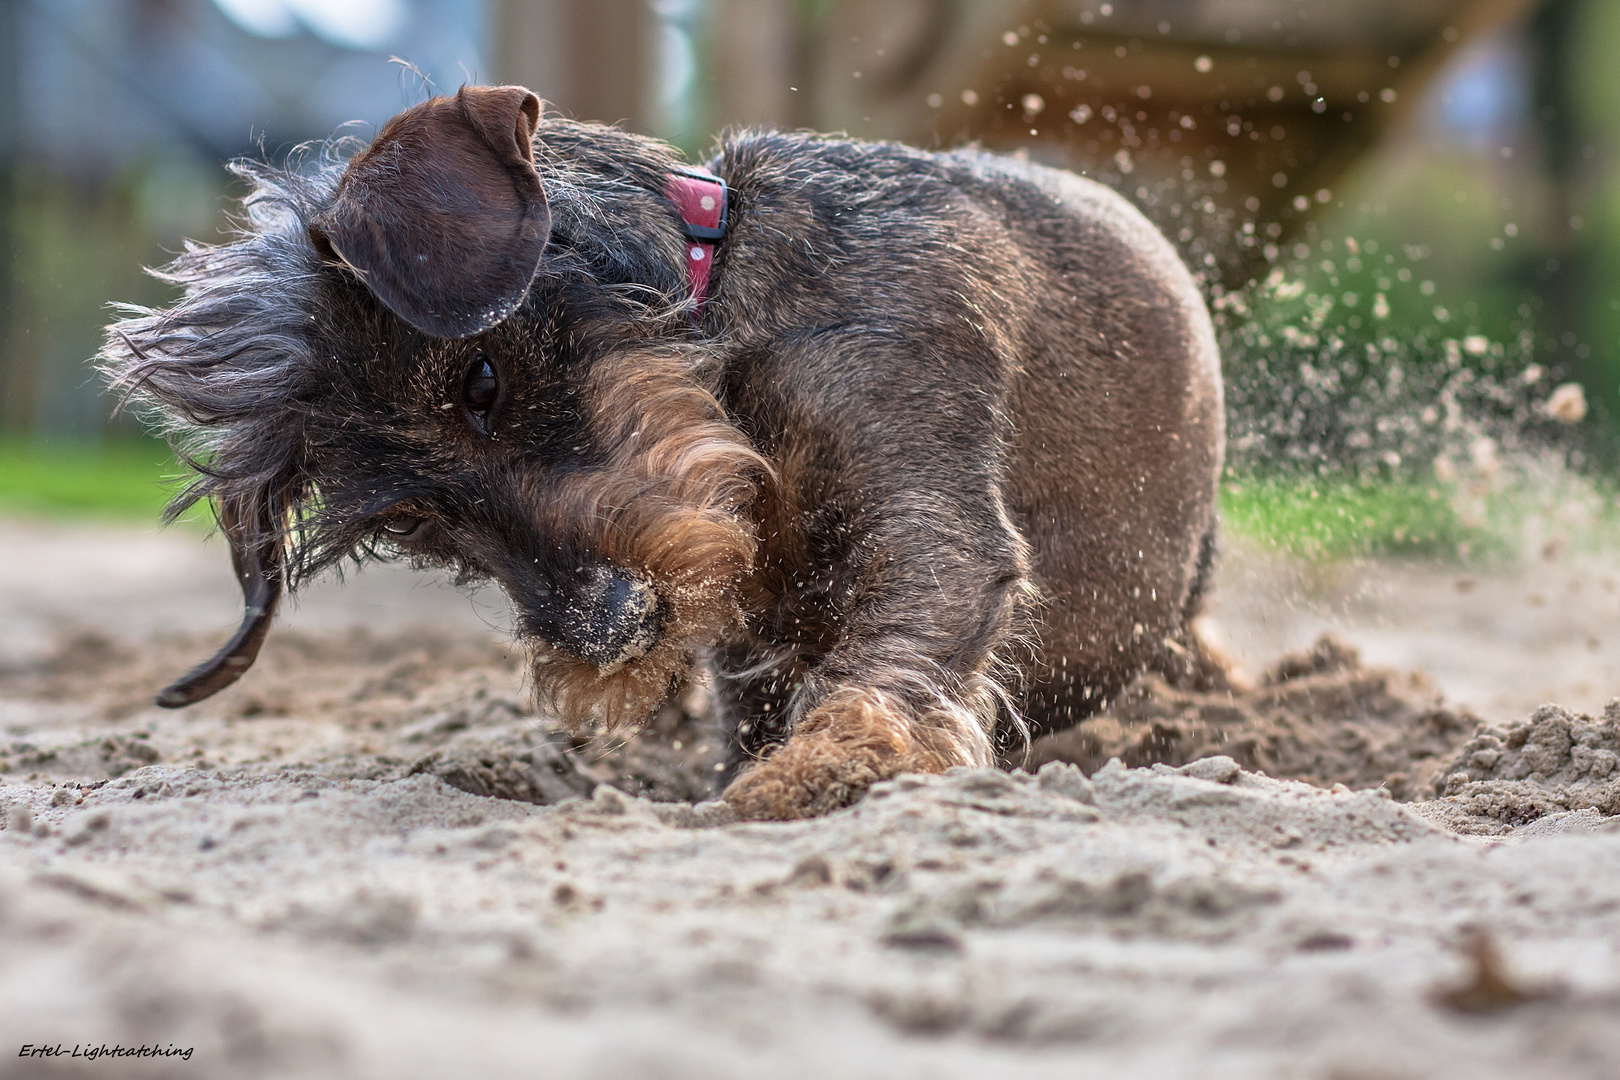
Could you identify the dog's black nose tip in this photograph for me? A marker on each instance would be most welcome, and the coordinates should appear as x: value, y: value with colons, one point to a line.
x: 621, y: 621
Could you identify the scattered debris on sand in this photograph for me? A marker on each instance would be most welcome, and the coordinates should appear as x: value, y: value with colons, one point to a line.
x: 1489, y: 988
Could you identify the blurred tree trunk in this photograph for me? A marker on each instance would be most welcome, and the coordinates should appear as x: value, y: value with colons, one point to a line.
x: 1559, y: 276
x: 16, y: 381
x: 1577, y: 107
x: 758, y: 57
x: 593, y: 59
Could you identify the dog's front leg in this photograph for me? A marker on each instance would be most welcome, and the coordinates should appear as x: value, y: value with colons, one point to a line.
x: 918, y: 672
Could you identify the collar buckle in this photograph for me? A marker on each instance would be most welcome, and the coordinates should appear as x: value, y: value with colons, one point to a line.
x: 702, y: 200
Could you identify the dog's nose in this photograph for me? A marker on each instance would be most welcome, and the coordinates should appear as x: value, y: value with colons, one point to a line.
x: 619, y: 620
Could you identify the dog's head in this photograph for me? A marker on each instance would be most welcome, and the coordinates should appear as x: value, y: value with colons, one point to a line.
x: 436, y: 349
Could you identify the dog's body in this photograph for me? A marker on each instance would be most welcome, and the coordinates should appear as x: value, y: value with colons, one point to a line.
x: 936, y: 460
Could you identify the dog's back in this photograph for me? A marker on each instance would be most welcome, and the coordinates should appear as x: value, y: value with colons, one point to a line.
x: 1118, y: 440
x: 1046, y: 335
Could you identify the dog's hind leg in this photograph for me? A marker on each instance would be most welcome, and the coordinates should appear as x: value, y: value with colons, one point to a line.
x: 1192, y: 660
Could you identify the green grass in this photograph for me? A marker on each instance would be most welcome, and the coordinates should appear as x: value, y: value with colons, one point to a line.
x: 117, y: 479
x: 1345, y: 519
x: 1313, y: 519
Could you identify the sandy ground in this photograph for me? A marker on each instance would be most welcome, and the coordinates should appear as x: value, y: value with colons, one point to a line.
x: 370, y: 859
x: 1499, y: 642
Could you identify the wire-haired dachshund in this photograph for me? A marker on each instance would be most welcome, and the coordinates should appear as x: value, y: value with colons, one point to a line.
x: 914, y: 453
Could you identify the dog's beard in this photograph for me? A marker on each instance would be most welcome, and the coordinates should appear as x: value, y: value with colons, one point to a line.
x: 669, y: 508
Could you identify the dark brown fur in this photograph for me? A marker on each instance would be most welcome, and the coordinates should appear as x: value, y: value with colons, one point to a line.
x: 933, y: 470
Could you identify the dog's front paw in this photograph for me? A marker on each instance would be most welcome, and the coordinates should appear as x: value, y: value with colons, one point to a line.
x: 842, y: 748
x: 810, y: 776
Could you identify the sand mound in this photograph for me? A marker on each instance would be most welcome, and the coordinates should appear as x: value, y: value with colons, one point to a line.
x: 1317, y: 716
x: 362, y: 705
x: 1547, y: 769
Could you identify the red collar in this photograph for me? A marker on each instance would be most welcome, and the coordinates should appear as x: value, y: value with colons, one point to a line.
x: 701, y: 198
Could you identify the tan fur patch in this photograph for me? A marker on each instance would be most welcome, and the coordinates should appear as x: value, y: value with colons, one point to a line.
x: 853, y: 740
x: 668, y: 507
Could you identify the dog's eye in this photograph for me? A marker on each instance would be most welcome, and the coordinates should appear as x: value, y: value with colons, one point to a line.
x: 403, y: 528
x: 479, y: 387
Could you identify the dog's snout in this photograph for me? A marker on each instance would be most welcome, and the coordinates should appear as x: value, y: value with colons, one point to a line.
x: 607, y: 620
x: 622, y: 624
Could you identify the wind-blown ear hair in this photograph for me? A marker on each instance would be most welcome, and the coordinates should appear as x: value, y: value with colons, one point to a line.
x: 227, y: 375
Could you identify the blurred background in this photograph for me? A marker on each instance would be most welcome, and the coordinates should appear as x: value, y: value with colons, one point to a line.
x: 1406, y: 213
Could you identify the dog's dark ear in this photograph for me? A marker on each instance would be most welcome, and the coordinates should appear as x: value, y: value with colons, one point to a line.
x: 256, y: 555
x: 443, y: 216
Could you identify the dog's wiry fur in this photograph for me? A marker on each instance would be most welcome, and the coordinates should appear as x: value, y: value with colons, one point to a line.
x: 668, y: 503
x: 933, y: 471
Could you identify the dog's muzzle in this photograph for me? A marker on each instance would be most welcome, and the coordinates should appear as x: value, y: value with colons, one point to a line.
x: 610, y: 620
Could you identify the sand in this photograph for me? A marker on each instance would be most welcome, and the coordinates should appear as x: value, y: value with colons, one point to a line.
x: 370, y: 859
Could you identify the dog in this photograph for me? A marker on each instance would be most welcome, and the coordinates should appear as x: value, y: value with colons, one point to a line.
x: 914, y: 453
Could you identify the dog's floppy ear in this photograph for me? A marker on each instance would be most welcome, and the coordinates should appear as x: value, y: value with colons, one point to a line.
x: 443, y: 216
x: 256, y: 555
